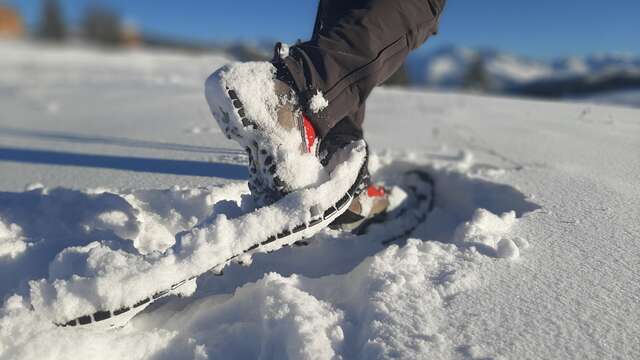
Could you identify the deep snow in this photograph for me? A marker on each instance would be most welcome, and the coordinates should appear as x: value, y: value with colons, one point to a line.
x: 532, y: 250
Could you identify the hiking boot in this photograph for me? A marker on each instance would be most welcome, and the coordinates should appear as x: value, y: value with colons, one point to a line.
x: 370, y: 205
x: 256, y: 108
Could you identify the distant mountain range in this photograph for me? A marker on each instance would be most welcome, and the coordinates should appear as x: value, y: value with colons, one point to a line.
x: 499, y: 72
x: 610, y: 78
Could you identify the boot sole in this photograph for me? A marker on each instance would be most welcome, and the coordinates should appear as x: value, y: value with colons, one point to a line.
x: 232, y: 119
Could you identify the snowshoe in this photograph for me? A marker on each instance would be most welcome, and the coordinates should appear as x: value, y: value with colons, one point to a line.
x: 397, y: 225
x: 370, y: 205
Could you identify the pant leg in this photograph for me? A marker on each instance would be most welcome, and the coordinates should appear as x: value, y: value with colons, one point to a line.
x: 357, y: 44
x: 330, y: 12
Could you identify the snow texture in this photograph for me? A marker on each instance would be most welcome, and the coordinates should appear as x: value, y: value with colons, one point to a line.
x: 283, y: 51
x: 530, y: 253
x: 488, y: 231
x: 318, y: 102
x: 11, y: 242
x: 85, y: 279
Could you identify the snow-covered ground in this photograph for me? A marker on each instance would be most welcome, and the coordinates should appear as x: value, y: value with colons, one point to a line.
x: 622, y: 97
x: 533, y: 250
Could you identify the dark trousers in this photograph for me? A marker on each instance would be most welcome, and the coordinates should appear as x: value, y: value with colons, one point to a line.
x: 357, y: 45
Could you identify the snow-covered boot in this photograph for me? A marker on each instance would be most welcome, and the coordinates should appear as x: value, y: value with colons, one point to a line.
x: 373, y: 200
x: 254, y: 105
x: 259, y: 110
x: 367, y: 207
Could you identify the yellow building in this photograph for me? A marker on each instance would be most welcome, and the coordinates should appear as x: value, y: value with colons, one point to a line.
x: 131, y: 36
x: 11, y: 25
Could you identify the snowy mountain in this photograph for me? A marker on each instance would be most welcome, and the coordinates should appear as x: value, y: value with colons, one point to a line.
x: 107, y: 158
x: 449, y: 67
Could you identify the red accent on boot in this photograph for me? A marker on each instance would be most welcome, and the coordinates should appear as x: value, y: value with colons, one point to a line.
x: 375, y: 191
x: 309, y: 132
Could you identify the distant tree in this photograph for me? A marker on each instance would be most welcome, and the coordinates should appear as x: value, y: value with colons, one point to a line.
x: 52, y: 26
x: 399, y: 78
x: 476, y: 78
x: 244, y: 52
x: 103, y: 26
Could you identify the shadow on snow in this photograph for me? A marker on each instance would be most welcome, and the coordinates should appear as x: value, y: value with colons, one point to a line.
x: 114, y: 141
x: 128, y: 163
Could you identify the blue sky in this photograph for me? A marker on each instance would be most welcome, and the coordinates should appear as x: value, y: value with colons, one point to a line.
x: 541, y: 28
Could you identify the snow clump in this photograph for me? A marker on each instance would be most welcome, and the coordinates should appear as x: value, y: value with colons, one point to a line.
x: 318, y: 102
x: 283, y: 51
x: 489, y: 231
x: 12, y: 243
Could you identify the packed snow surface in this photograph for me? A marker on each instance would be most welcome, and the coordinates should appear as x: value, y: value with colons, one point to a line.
x: 531, y: 251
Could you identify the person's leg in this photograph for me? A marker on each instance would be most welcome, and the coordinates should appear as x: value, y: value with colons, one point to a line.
x: 357, y: 45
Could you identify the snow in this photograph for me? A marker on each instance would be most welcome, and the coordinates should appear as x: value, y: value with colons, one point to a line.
x: 11, y: 242
x: 531, y: 251
x: 514, y: 69
x: 442, y: 68
x: 447, y: 67
x: 620, y: 97
x: 488, y: 230
x: 318, y: 102
x: 85, y: 279
x: 283, y: 51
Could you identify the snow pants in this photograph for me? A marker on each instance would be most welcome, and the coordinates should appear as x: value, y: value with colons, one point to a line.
x: 356, y: 45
